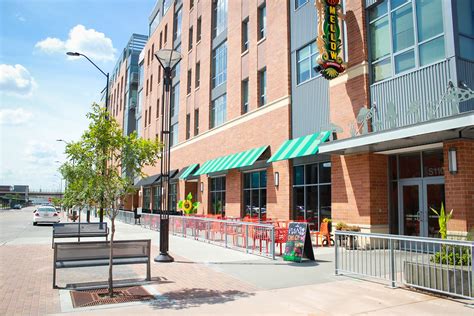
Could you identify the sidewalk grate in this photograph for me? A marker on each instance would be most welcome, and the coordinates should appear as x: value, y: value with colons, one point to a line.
x: 100, y: 297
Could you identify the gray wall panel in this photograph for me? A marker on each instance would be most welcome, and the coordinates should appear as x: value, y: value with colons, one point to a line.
x: 304, y: 25
x: 394, y: 97
x: 310, y: 100
x: 466, y: 73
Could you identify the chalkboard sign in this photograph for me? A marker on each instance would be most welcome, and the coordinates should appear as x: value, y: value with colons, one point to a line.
x: 298, y: 244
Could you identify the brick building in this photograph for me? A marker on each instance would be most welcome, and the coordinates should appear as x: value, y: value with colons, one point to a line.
x: 250, y: 110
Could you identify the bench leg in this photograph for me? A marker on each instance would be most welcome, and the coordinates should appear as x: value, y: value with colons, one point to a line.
x: 148, y: 271
x: 52, y: 242
x: 54, y: 276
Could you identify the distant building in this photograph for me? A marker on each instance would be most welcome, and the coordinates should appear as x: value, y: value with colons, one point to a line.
x: 14, y: 194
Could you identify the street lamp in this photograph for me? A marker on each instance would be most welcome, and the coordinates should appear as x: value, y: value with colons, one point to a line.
x: 168, y: 59
x: 76, y: 54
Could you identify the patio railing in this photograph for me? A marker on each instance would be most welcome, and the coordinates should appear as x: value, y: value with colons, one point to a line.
x: 439, y: 265
x: 254, y: 238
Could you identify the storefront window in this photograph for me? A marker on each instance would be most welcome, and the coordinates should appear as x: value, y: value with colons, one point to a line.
x: 173, y: 196
x: 156, y: 198
x: 217, y: 192
x: 255, y: 194
x: 146, y: 198
x: 312, y: 193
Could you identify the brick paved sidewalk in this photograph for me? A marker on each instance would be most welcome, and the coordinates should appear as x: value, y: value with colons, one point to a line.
x: 26, y: 274
x: 26, y: 286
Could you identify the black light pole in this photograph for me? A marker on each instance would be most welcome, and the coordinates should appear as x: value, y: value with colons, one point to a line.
x: 168, y: 59
x: 101, y: 218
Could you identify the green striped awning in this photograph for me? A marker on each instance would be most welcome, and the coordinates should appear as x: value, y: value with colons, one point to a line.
x: 242, y: 159
x: 188, y: 171
x: 300, y: 147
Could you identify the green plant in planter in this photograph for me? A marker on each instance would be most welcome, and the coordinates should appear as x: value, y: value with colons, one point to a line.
x: 187, y: 205
x: 443, y: 220
x: 452, y: 255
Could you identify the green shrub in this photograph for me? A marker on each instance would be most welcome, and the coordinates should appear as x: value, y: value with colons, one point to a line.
x: 452, y: 256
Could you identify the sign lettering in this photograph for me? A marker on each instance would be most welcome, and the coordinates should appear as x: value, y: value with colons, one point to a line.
x: 329, y: 39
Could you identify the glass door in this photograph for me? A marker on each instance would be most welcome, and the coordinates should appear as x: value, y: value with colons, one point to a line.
x: 433, y: 191
x: 416, y: 198
x: 411, y: 221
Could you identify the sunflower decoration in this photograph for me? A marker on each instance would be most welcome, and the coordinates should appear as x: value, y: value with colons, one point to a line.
x: 187, y: 205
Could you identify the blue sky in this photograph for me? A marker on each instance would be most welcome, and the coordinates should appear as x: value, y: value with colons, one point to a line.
x: 44, y: 94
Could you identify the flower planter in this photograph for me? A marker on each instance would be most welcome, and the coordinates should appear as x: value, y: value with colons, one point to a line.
x: 448, y: 279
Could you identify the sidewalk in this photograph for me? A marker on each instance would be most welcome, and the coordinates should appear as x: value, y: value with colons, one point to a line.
x: 204, y: 279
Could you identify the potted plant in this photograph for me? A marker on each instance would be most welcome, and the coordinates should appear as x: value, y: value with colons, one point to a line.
x: 448, y: 270
x: 350, y: 242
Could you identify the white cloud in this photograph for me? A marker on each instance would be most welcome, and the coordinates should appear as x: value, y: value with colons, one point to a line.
x: 16, y: 116
x: 89, y: 42
x: 20, y: 17
x: 51, y: 45
x: 40, y: 153
x: 16, y: 80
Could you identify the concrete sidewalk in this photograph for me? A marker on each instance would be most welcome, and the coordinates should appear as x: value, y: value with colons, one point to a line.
x: 205, y: 279
x: 260, y: 286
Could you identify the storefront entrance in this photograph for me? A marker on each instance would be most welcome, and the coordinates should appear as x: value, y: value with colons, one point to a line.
x: 416, y: 198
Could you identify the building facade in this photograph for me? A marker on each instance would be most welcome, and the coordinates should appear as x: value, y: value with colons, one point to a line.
x: 123, y: 93
x: 258, y: 132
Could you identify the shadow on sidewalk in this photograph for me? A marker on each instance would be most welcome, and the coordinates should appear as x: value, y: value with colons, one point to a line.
x: 194, y: 297
x: 117, y: 283
x: 304, y: 263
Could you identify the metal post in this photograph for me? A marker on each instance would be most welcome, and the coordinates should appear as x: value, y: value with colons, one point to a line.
x: 165, y: 167
x: 246, y: 238
x: 392, y: 264
x: 336, y: 251
x: 272, y: 238
x: 225, y: 231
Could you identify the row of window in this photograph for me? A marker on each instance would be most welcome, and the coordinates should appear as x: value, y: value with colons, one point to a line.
x: 311, y: 194
x: 152, y: 198
x: 261, y: 24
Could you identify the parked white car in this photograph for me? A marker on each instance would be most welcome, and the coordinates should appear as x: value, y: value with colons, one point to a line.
x: 45, y: 214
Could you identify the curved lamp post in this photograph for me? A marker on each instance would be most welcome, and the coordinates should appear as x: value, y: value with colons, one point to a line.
x: 76, y: 54
x: 168, y: 59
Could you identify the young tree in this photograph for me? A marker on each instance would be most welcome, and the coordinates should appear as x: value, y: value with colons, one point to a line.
x: 102, y: 164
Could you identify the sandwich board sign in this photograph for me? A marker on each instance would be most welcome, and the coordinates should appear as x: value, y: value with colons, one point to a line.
x: 298, y: 244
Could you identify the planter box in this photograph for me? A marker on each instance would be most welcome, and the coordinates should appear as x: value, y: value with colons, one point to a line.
x: 448, y: 279
x: 349, y: 242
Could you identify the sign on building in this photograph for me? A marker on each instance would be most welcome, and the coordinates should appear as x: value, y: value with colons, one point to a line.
x: 329, y: 38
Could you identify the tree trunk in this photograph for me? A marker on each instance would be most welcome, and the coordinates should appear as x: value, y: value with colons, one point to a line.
x: 111, y: 286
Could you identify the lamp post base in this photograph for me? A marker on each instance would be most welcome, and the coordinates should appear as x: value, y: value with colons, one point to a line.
x: 164, y: 257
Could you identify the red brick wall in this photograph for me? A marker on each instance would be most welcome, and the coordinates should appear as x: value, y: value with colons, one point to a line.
x: 360, y: 189
x: 459, y: 188
x: 350, y: 95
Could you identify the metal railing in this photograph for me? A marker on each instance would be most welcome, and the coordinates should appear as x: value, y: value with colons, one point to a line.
x: 253, y: 238
x: 439, y: 265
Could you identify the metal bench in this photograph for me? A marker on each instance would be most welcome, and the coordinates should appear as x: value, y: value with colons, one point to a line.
x: 97, y: 253
x: 72, y: 230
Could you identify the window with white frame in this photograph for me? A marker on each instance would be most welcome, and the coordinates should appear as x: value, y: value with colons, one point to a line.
x: 262, y: 21
x: 299, y: 3
x: 177, y: 25
x: 174, y: 134
x: 306, y: 61
x: 174, y: 104
x: 219, y: 65
x: 219, y: 17
x: 405, y: 35
x: 218, y: 111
